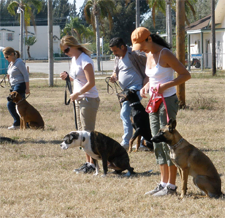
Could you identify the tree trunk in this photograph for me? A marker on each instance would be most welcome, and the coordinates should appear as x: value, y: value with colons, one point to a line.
x: 97, y: 42
x: 180, y: 46
x: 28, y: 52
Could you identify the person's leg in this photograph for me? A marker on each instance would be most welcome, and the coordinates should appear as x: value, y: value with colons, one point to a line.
x: 20, y: 88
x: 12, y: 110
x: 88, y: 114
x: 127, y: 125
x: 170, y: 173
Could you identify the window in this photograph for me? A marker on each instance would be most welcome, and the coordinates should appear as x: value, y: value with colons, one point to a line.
x: 9, y: 36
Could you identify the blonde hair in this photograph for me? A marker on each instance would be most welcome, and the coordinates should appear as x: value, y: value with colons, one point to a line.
x: 72, y: 42
x: 10, y: 50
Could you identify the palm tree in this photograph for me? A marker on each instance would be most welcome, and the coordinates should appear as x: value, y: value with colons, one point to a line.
x: 26, y: 5
x: 94, y: 12
x: 29, y: 41
x: 75, y: 28
x: 26, y: 14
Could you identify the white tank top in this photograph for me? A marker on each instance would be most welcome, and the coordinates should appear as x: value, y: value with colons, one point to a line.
x: 160, y: 75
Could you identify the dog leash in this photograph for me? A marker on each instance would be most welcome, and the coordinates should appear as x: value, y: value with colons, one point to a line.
x: 155, y: 93
x: 115, y: 85
x: 68, y: 85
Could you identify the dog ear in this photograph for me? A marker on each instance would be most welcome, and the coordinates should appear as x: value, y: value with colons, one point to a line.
x: 172, y: 125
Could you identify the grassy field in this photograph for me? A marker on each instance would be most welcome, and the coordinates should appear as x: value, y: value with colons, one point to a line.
x: 37, y: 178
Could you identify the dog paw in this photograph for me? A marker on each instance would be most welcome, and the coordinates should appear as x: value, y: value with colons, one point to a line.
x: 103, y: 176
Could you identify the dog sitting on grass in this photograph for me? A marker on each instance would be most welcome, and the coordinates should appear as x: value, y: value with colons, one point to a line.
x: 28, y: 114
x: 100, y: 147
x: 190, y: 161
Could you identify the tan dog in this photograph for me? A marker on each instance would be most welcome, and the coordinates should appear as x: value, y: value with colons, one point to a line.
x: 190, y: 161
x: 28, y: 114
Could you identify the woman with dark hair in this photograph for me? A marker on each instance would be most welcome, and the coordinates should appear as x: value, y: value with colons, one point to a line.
x: 160, y: 67
x: 84, y: 90
x: 19, y: 81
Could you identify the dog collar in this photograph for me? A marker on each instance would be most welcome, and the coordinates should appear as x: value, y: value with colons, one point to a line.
x: 178, y: 143
x: 20, y: 101
x: 138, y: 102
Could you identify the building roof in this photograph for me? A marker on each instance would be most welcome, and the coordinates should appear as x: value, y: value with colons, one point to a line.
x: 199, y: 24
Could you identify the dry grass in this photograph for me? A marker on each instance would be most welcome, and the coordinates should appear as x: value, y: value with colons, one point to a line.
x: 36, y: 176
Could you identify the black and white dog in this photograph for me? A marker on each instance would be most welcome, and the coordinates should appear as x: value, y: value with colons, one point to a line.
x: 100, y: 147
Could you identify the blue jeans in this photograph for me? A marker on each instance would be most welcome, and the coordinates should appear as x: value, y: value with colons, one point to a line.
x: 20, y: 88
x: 125, y: 117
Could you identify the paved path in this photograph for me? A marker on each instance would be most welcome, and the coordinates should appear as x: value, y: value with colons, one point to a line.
x: 42, y: 67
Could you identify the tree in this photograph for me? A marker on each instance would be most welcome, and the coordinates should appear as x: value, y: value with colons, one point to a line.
x: 26, y: 5
x: 75, y: 28
x: 94, y: 12
x: 29, y: 41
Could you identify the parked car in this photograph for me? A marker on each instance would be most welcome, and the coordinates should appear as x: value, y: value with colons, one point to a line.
x: 195, y: 62
x: 93, y: 55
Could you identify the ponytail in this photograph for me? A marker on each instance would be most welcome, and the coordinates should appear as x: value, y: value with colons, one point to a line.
x: 160, y: 41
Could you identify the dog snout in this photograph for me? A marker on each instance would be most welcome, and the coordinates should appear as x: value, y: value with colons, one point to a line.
x: 9, y: 98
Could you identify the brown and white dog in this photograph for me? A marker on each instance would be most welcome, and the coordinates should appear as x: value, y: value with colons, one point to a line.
x: 28, y: 114
x: 100, y: 147
x: 190, y: 161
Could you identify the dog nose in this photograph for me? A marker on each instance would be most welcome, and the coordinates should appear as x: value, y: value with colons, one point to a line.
x: 8, y: 99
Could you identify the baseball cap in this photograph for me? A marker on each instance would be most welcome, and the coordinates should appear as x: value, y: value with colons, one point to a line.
x: 138, y: 36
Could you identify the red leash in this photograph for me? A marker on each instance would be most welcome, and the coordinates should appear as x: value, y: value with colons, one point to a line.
x: 151, y: 102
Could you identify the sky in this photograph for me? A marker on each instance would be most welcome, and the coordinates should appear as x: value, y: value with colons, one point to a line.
x: 79, y: 3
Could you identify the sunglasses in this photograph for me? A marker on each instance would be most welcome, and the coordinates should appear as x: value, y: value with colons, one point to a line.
x: 67, y: 50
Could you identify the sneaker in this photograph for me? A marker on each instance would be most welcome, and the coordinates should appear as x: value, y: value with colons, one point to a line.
x: 158, y: 188
x: 80, y: 168
x: 88, y: 169
x: 13, y: 127
x: 166, y: 191
x: 141, y: 148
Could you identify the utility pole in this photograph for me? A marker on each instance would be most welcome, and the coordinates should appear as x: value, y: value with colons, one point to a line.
x: 50, y: 44
x: 180, y: 46
x: 21, y: 12
x: 169, y: 22
x: 213, y: 39
x: 137, y: 14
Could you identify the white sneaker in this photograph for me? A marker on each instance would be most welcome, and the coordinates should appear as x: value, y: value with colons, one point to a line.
x: 141, y: 148
x: 13, y: 127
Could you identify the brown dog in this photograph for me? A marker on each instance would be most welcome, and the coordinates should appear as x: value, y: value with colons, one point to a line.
x: 190, y: 161
x: 28, y: 114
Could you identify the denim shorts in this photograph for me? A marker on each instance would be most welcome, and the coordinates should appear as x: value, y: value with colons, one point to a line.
x: 157, y: 121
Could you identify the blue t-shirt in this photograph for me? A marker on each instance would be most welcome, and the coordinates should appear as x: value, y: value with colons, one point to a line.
x: 128, y: 78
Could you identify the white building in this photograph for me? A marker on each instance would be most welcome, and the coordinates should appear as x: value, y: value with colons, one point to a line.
x: 200, y: 38
x: 10, y: 36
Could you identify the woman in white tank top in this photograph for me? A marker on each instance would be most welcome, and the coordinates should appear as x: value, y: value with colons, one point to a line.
x: 160, y: 67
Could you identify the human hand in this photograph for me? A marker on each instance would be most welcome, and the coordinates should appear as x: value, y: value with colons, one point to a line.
x: 74, y: 96
x: 113, y: 78
x: 63, y: 75
x: 144, y: 91
x: 27, y: 91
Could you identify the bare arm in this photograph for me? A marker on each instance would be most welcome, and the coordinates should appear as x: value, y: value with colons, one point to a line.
x: 183, y: 75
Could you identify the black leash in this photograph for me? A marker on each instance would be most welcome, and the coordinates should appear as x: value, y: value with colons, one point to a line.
x: 3, y: 80
x: 115, y: 86
x: 68, y: 85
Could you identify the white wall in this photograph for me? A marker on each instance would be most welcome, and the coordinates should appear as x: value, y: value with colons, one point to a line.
x: 40, y: 49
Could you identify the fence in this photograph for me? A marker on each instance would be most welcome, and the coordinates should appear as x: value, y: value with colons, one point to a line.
x: 204, y: 61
